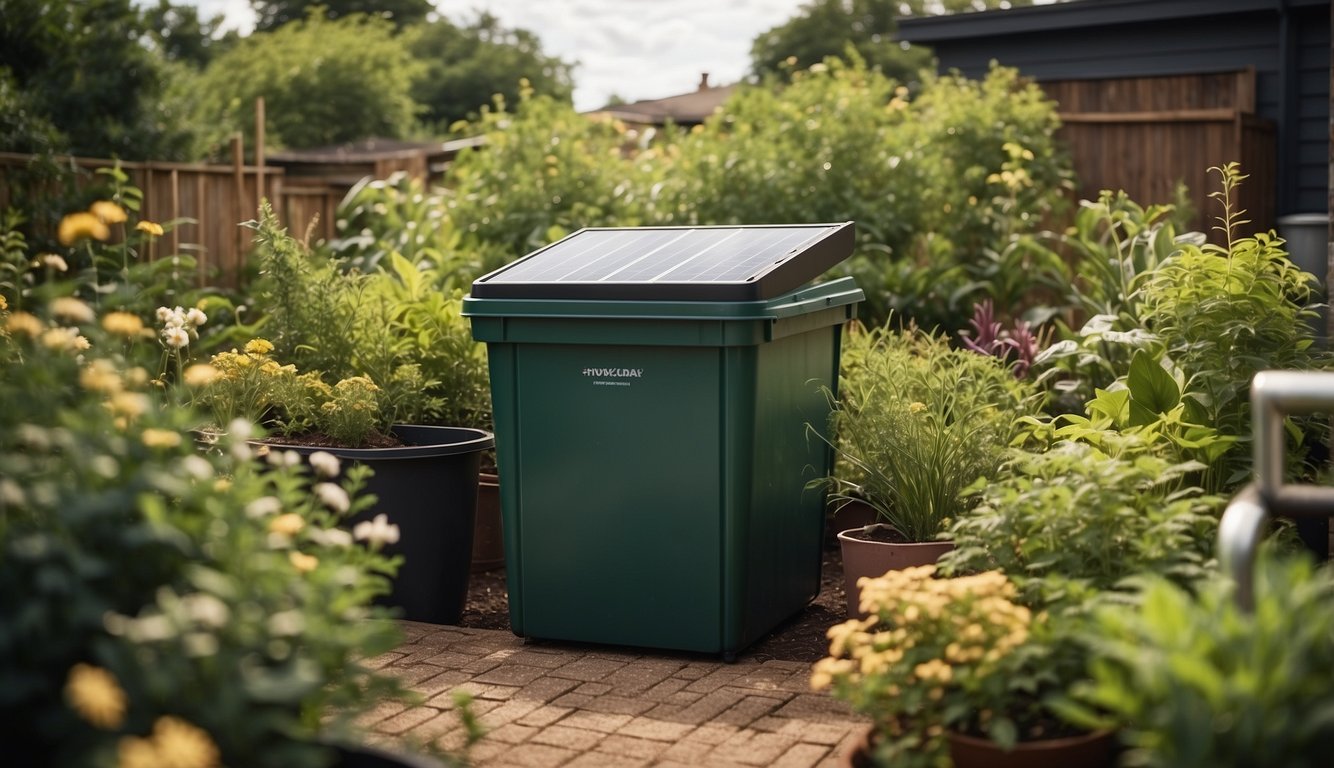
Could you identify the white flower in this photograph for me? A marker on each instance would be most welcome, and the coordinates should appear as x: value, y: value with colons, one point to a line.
x: 175, y: 336
x: 324, y: 463
x: 197, y: 466
x: 287, y: 623
x: 282, y: 458
x: 163, y: 314
x: 195, y: 317
x: 240, y: 428
x: 330, y: 537
x: 333, y: 496
x: 263, y: 506
x: 206, y: 609
x: 378, y: 531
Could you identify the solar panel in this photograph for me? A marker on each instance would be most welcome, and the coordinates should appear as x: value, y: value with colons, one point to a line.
x: 734, y: 263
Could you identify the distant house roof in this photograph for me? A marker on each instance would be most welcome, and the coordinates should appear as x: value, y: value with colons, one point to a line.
x: 684, y: 109
x: 362, y: 150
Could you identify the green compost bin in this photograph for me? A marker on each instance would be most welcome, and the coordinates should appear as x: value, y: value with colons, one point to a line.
x: 654, y: 454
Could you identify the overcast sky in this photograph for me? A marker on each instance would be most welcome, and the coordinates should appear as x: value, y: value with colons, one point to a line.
x: 637, y: 49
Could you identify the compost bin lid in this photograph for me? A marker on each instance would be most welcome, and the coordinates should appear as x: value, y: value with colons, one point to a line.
x: 731, y: 263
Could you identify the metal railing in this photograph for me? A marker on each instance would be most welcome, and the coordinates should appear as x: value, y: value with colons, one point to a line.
x: 1274, y: 395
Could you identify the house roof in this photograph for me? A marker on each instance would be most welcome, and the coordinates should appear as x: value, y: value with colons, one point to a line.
x: 1074, y: 14
x: 683, y: 109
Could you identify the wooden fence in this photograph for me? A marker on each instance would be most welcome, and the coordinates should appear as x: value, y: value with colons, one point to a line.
x: 210, y: 202
x: 1145, y: 135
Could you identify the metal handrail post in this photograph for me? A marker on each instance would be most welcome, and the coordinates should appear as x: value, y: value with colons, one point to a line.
x: 1274, y: 395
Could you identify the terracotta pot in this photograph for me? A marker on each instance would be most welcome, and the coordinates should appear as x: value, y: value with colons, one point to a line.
x: 859, y: 754
x: 1089, y: 750
x: 488, y: 543
x: 875, y: 558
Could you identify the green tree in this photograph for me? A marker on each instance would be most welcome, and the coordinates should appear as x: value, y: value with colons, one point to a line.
x: 324, y: 81
x: 271, y: 14
x: 181, y: 35
x: 81, y: 68
x: 824, y: 28
x: 466, y: 66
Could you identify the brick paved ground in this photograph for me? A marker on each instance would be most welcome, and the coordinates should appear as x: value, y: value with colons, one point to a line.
x: 556, y: 704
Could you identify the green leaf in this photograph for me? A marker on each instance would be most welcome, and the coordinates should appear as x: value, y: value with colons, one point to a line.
x: 1150, y: 385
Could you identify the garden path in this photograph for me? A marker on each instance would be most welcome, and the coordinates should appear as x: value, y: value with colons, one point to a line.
x: 566, y: 704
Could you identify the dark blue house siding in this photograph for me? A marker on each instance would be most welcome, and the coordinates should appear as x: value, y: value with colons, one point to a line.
x: 1287, y: 42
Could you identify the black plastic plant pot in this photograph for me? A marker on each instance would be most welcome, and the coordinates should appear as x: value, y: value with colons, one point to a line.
x: 428, y: 488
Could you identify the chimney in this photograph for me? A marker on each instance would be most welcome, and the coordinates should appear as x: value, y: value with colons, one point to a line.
x: 703, y: 81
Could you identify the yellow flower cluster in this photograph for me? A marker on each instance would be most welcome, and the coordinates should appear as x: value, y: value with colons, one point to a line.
x: 174, y: 742
x: 94, y: 694
x: 92, y: 223
x: 924, y: 632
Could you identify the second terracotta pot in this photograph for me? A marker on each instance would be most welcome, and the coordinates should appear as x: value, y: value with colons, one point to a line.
x: 488, y: 542
x: 875, y: 558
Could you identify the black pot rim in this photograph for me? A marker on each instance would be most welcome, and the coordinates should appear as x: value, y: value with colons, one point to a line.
x: 420, y: 441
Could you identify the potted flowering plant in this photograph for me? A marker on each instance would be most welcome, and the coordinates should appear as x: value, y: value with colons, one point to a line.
x: 955, y: 668
x: 160, y: 605
x: 915, y: 424
x: 424, y: 480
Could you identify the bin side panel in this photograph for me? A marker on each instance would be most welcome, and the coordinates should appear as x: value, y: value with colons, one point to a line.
x: 775, y: 557
x: 616, y: 453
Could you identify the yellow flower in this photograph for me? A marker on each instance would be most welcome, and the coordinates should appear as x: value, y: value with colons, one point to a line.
x: 3, y: 304
x: 72, y: 309
x: 288, y: 524
x: 200, y: 375
x: 180, y: 744
x: 100, y: 376
x: 303, y: 562
x: 22, y: 322
x: 123, y: 324
x: 128, y: 404
x: 78, y: 226
x: 94, y: 693
x: 61, y: 339
x: 160, y: 438
x: 107, y: 212
x: 134, y: 752
x: 149, y: 227
x: 258, y: 347
x: 917, y: 407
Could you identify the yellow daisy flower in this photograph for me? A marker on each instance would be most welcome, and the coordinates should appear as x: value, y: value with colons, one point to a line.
x: 77, y: 226
x: 107, y: 211
x: 150, y: 228
x: 94, y: 693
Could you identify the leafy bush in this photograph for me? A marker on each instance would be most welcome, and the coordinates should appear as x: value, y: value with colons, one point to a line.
x: 916, y: 422
x: 1074, y: 521
x: 1194, y: 681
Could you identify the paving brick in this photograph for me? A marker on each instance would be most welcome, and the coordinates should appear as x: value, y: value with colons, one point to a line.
x: 450, y: 659
x: 588, y: 669
x: 709, y: 707
x: 532, y: 755
x: 665, y: 688
x: 402, y: 721
x: 683, y: 698
x: 577, y: 739
x: 507, y: 713
x: 620, y: 705
x: 511, y: 733
x: 544, y: 715
x: 617, y: 744
x: 383, y: 660
x: 790, y: 666
x: 688, y: 752
x: 596, y: 721
x: 444, y: 681
x: 658, y: 730
x: 498, y: 692
x: 770, y: 724
x: 747, y: 711
x: 818, y: 733
x: 485, y: 751
x: 763, y: 678
x: 574, y: 700
x: 816, y: 707
x: 802, y: 756
x: 487, y: 643
x: 411, y: 674
x: 751, y: 748
x: 642, y: 675
x: 437, y: 726
x: 593, y: 689
x: 604, y: 760
x: 694, y: 671
x: 510, y: 674
x: 381, y: 711
x: 546, y: 689
x: 714, y: 680
x: 711, y: 733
